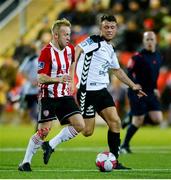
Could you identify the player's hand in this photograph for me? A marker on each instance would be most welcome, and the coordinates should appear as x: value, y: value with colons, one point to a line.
x: 66, y: 79
x: 72, y: 87
x: 140, y: 93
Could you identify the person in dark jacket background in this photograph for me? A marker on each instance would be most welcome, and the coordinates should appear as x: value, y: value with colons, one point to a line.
x: 144, y: 69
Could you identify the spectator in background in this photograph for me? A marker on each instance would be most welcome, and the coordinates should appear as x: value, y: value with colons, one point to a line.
x: 44, y: 35
x: 8, y: 90
x: 148, y: 24
x: 134, y: 13
x: 144, y: 69
x: 21, y: 51
x: 132, y: 37
x: 164, y: 32
x: 166, y: 52
x: 45, y: 27
x: 29, y: 91
x: 156, y: 12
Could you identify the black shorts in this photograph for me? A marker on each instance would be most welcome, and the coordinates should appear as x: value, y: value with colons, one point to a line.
x: 30, y: 100
x: 140, y: 106
x: 94, y: 101
x: 57, y: 108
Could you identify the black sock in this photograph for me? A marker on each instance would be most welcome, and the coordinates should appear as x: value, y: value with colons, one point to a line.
x: 114, y: 142
x: 130, y: 132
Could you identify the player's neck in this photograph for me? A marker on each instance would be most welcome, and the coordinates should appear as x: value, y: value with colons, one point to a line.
x: 107, y: 40
x: 57, y: 45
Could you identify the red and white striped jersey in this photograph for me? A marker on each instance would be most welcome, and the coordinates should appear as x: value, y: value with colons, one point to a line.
x: 55, y: 63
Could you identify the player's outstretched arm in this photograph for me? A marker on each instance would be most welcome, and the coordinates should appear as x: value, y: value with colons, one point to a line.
x: 122, y: 76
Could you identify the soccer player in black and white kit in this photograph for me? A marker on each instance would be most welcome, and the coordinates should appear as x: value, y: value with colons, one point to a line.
x: 95, y: 56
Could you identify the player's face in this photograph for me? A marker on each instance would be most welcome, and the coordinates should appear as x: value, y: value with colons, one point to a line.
x: 64, y: 36
x: 149, y: 40
x: 108, y: 29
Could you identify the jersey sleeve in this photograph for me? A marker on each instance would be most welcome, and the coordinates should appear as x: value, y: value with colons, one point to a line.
x: 88, y: 45
x: 44, y: 61
x: 115, y: 62
x: 24, y: 66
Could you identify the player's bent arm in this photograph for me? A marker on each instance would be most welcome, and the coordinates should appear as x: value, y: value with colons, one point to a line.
x: 45, y: 79
x: 78, y: 51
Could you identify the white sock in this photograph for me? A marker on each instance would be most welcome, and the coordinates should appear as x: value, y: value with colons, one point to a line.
x: 34, y: 143
x: 65, y: 134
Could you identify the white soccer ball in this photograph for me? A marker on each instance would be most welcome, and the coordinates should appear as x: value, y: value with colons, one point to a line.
x: 106, y: 161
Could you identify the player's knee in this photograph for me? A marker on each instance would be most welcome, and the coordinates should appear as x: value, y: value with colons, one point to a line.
x: 138, y: 122
x: 79, y: 126
x: 157, y: 118
x: 118, y: 122
x: 43, y: 132
x: 115, y: 124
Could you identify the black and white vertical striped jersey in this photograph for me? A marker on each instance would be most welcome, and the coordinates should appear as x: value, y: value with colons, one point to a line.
x: 93, y: 65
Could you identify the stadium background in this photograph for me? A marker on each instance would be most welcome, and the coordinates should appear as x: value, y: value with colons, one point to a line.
x: 26, y: 23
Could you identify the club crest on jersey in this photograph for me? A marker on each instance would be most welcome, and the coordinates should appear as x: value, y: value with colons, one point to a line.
x: 46, y: 112
x: 41, y: 65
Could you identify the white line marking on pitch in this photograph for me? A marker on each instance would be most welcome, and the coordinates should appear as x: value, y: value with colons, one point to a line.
x: 85, y: 170
x: 163, y: 150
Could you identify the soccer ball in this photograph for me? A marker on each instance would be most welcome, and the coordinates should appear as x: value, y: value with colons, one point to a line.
x: 106, y: 161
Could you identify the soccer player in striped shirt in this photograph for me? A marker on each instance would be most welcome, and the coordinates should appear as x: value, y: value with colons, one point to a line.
x: 55, y: 77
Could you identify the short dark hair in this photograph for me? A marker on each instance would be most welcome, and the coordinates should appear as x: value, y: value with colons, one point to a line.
x: 108, y: 18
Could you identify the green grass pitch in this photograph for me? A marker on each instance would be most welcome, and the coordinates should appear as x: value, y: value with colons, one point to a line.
x: 75, y: 159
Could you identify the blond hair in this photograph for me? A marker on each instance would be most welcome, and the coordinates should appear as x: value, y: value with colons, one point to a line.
x: 57, y: 24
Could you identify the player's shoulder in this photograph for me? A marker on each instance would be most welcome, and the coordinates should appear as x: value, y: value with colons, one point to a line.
x: 96, y: 38
x: 46, y: 48
x: 92, y: 39
x: 71, y: 46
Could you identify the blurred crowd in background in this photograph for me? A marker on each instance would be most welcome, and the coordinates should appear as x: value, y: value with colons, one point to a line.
x: 133, y: 17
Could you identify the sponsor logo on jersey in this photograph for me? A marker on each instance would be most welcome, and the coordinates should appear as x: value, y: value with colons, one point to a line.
x: 104, y: 68
x: 41, y: 65
x: 89, y: 41
x: 83, y: 44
